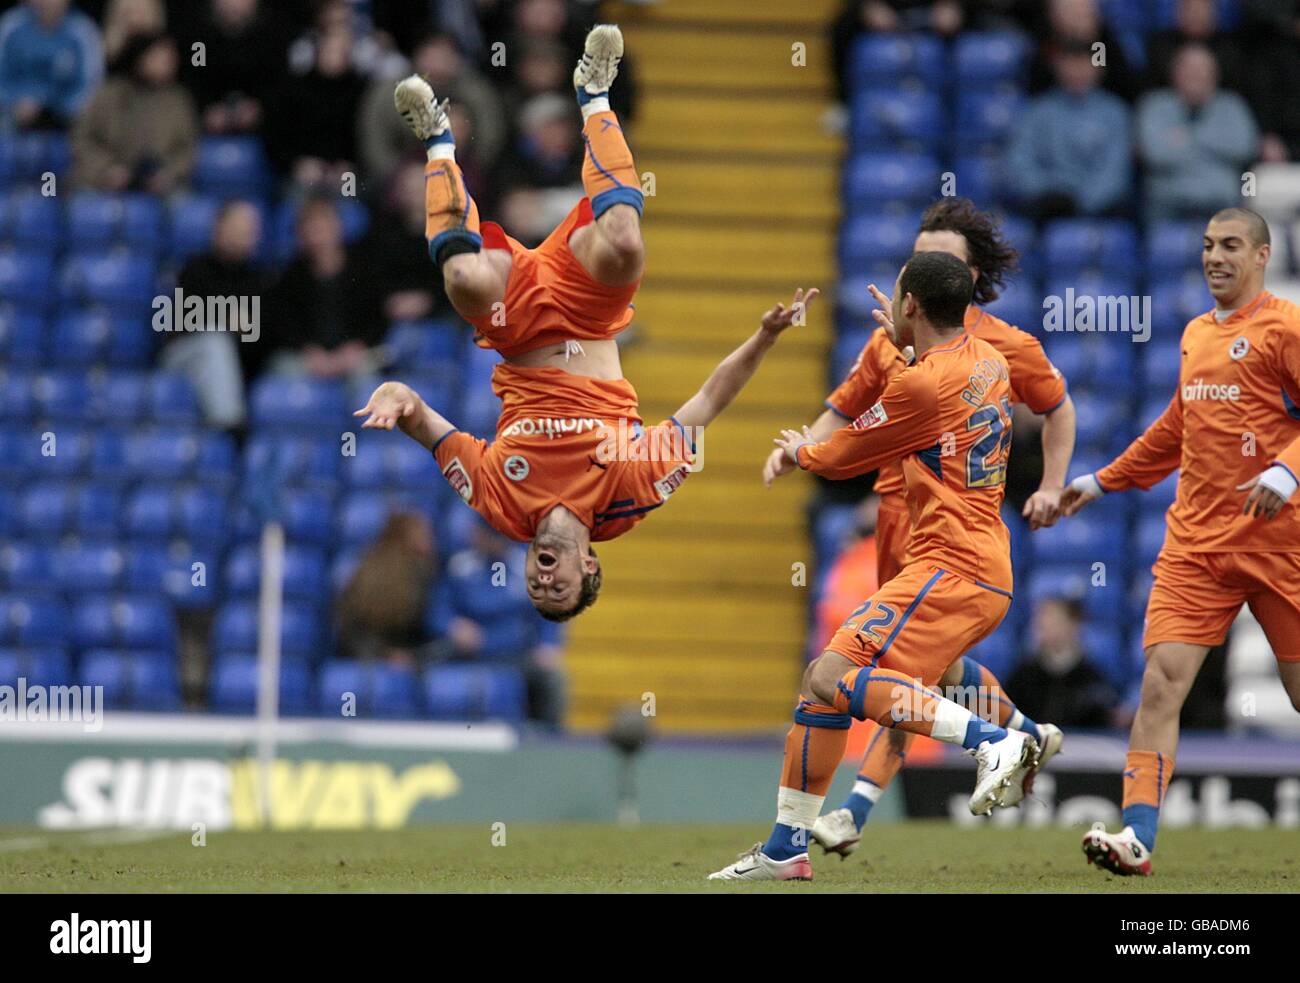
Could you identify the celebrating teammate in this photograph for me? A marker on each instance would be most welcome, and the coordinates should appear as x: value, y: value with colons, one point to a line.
x: 948, y: 418
x: 956, y: 226
x: 1233, y: 533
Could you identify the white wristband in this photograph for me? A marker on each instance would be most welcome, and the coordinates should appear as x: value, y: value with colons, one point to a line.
x: 1088, y: 485
x: 1280, y: 481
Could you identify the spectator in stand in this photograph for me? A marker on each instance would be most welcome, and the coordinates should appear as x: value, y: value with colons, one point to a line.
x: 324, y: 315
x: 243, y: 59
x: 540, y: 173
x: 381, y: 610
x: 1195, y: 22
x: 396, y: 250
x: 1071, y: 152
x: 123, y: 19
x: 1270, y: 77
x: 211, y: 358
x: 1194, y: 140
x: 385, y: 138
x: 540, y: 66
x: 372, y: 53
x: 1058, y: 683
x: 314, y: 135
x: 481, y: 609
x: 51, y: 61
x: 140, y: 131
x: 1078, y: 24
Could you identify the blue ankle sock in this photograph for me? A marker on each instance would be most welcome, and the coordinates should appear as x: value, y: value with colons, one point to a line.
x: 785, y: 841
x: 860, y: 806
x: 978, y: 731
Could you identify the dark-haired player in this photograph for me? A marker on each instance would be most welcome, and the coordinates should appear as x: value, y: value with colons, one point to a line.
x: 1233, y: 532
x: 956, y: 226
x: 947, y: 417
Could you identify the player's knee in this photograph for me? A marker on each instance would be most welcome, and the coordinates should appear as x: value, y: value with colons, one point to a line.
x: 621, y: 229
x: 467, y: 287
x: 823, y: 675
x: 1161, y: 692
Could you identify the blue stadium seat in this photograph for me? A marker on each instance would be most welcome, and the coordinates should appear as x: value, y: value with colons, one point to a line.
x: 28, y: 156
x: 165, y: 453
x: 985, y: 118
x: 139, y: 621
x: 1157, y: 499
x: 831, y: 528
x: 122, y: 279
x: 1090, y: 537
x: 299, y: 458
x: 1000, y: 652
x: 191, y: 220
x: 381, y: 690
x: 22, y: 336
x: 1162, y: 361
x: 26, y: 565
x: 280, y: 402
x: 17, y: 398
x: 31, y: 619
x: 1075, y: 245
x: 979, y: 176
x: 889, y: 60
x: 235, y: 629
x: 63, y: 394
x: 1020, y: 304
x: 40, y: 453
x: 32, y: 219
x: 422, y: 344
x: 231, y: 167
x: 140, y: 680
x: 1173, y: 249
x: 1102, y: 363
x: 43, y: 666
x: 902, y: 118
x: 388, y: 459
x: 84, y: 566
x: 870, y: 179
x: 876, y: 239
x: 362, y: 514
x: 1150, y: 537
x: 25, y: 277
x: 1175, y: 302
x: 308, y: 516
x: 989, y: 58
x: 305, y: 572
x: 1100, y: 421
x: 46, y: 508
x: 172, y: 399
x: 1104, y: 644
x: 1075, y: 581
x: 233, y: 685
x: 98, y: 220
x: 454, y: 692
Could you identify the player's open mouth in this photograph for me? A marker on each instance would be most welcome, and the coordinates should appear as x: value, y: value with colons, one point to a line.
x: 546, y: 559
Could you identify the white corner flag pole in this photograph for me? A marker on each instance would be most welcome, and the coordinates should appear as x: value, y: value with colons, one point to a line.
x: 270, y: 606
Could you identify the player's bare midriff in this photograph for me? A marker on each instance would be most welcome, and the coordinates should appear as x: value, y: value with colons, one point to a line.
x: 596, y: 359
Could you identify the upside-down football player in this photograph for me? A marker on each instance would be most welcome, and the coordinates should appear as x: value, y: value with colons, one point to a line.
x: 1232, y: 537
x: 557, y: 475
x: 947, y: 417
x: 956, y: 226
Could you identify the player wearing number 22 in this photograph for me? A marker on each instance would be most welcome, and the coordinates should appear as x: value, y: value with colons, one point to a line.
x: 948, y: 418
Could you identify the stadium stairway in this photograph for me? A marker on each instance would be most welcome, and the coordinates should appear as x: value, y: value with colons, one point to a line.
x: 699, y: 607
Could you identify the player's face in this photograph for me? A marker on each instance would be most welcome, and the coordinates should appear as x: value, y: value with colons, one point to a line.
x: 1232, y: 264
x: 554, y: 568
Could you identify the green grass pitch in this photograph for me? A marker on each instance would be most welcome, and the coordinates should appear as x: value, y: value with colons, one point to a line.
x: 906, y: 857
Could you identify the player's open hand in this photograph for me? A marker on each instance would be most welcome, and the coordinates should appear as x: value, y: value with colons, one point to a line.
x: 388, y: 406
x: 781, y: 317
x: 776, y: 465
x: 884, y: 317
x: 1262, y: 502
x: 791, y: 440
x: 1079, y: 493
x: 1043, y: 507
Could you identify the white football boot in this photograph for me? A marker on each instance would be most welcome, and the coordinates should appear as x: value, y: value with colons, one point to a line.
x: 1050, y: 741
x: 1120, y: 853
x: 1000, y: 778
x: 598, y: 66
x: 416, y: 104
x: 755, y: 865
x: 837, y: 832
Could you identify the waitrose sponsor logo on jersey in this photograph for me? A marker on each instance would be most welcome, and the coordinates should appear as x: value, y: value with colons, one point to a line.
x: 1202, y: 390
x: 552, y: 427
x: 175, y: 793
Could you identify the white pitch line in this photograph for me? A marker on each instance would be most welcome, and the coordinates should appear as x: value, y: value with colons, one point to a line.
x: 103, y: 837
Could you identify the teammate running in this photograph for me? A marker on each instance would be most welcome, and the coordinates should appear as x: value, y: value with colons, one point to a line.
x: 948, y: 418
x: 1233, y: 532
x: 956, y: 226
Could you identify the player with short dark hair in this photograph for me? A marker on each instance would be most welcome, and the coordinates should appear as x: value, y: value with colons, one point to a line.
x: 1233, y: 532
x: 948, y: 418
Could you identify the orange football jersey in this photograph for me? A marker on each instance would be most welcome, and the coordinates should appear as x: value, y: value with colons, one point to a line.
x: 571, y: 440
x: 1236, y: 412
x: 948, y: 420
x: 1034, y: 380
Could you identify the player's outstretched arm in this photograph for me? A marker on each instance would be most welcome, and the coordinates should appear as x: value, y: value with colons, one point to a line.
x: 779, y: 463
x: 1044, y: 506
x: 395, y: 404
x: 734, y: 371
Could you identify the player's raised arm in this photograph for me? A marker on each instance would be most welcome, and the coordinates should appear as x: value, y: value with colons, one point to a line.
x: 903, y: 421
x: 1148, y: 460
x: 397, y: 404
x: 734, y: 371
